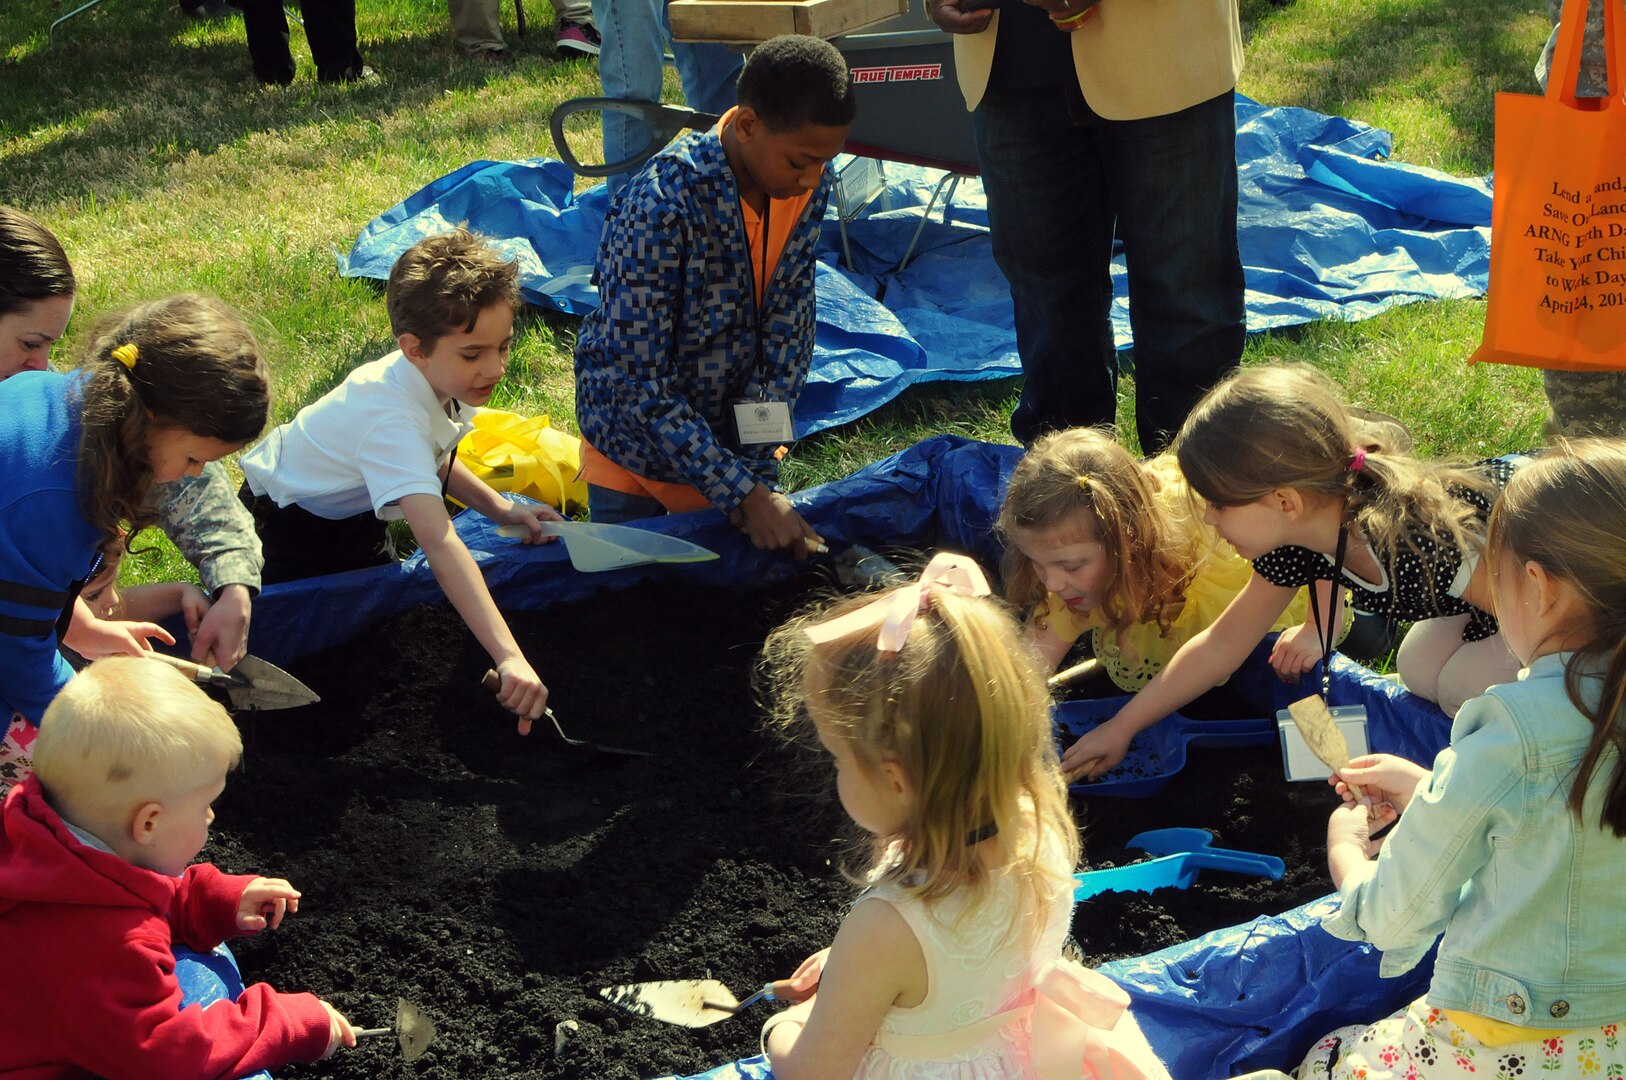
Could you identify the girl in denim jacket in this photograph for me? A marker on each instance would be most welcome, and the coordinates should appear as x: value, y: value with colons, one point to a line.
x: 1514, y: 844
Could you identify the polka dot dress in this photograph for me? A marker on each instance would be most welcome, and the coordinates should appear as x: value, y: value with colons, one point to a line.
x: 1417, y: 584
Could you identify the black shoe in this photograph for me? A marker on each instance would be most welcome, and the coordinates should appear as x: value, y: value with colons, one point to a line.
x: 366, y: 74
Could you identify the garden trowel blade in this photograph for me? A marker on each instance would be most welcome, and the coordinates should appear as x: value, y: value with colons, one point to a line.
x: 256, y: 684
x: 691, y: 1003
x: 413, y: 1029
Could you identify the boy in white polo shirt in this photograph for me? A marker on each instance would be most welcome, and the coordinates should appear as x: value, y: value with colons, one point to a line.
x: 382, y: 445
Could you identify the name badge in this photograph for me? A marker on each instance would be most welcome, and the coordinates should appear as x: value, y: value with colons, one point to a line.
x: 758, y: 422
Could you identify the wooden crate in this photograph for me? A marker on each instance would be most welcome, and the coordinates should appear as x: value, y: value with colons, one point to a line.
x: 749, y: 22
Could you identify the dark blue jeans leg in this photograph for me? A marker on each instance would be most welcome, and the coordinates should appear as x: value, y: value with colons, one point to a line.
x: 1052, y: 238
x: 609, y: 507
x: 1172, y: 181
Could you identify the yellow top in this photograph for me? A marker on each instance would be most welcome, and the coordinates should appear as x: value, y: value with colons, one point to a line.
x: 1497, y: 1032
x: 1131, y: 659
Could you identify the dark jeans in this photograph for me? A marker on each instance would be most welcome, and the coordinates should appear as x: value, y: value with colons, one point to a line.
x: 330, y: 27
x: 1061, y: 181
x: 298, y: 544
x: 610, y: 507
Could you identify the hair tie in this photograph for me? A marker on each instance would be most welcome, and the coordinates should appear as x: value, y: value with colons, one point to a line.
x: 1083, y: 479
x: 127, y: 354
x: 894, y: 614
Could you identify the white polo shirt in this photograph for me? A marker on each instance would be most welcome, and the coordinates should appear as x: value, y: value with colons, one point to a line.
x: 370, y: 441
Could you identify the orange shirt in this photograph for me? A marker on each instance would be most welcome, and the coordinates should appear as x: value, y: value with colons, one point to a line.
x: 783, y: 214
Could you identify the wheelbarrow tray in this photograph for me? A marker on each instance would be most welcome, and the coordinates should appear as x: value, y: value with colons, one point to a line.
x: 1157, y: 754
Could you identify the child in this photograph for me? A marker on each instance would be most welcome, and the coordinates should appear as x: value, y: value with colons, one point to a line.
x: 141, y: 603
x: 1514, y: 844
x: 1292, y: 487
x: 201, y: 513
x: 687, y: 373
x: 95, y: 890
x: 383, y: 445
x: 171, y: 385
x: 1099, y: 542
x: 937, y: 722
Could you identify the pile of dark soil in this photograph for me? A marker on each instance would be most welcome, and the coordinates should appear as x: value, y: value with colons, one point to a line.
x: 499, y: 882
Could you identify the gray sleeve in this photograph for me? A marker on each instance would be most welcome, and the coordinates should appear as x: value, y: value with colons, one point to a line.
x: 212, y: 529
x: 1593, y: 80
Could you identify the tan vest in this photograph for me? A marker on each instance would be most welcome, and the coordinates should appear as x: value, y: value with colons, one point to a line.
x: 1134, y: 58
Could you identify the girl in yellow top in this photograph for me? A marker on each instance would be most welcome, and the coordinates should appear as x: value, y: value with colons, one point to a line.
x: 1101, y: 543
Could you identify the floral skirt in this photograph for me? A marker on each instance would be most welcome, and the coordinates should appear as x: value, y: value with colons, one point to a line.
x: 16, y: 753
x: 1421, y: 1043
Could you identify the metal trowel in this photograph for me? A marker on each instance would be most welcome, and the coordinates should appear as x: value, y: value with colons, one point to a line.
x: 690, y: 1002
x: 413, y: 1030
x: 252, y: 684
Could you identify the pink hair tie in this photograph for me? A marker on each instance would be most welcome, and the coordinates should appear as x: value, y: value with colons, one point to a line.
x: 1358, y: 462
x: 893, y: 615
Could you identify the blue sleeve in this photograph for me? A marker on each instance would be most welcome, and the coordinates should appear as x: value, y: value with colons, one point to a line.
x: 45, y: 546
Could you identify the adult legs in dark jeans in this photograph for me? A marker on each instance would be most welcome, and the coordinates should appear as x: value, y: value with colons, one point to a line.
x: 1060, y: 181
x: 330, y: 28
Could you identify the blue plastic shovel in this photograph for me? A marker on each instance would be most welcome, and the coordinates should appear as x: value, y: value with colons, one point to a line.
x: 1157, y: 753
x: 1184, y: 853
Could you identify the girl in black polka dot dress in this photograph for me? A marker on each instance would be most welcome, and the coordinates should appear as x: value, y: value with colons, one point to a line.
x: 1288, y: 482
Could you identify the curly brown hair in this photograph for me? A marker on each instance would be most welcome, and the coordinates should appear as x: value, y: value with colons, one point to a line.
x: 442, y: 283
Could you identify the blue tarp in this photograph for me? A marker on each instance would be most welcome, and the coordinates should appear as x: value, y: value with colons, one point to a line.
x: 1329, y: 228
x: 1233, y: 1000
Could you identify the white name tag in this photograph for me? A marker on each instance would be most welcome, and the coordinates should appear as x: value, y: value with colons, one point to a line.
x: 758, y: 422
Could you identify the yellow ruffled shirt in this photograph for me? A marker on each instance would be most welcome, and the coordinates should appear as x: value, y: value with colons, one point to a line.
x: 1133, y: 657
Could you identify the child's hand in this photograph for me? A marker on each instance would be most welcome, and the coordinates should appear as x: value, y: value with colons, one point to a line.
x: 1097, y: 753
x: 1297, y: 650
x: 1386, y: 779
x: 804, y: 980
x: 264, y: 903
x: 529, y: 515
x: 1351, y: 825
x: 194, y: 605
x: 768, y: 518
x: 522, y: 691
x: 339, y: 1031
x: 95, y: 638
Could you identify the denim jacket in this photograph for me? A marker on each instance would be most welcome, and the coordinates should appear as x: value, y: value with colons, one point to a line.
x: 674, y: 340
x: 1528, y: 897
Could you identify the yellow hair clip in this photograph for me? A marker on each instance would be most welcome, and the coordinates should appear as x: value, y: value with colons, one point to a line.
x: 127, y: 354
x: 1083, y: 481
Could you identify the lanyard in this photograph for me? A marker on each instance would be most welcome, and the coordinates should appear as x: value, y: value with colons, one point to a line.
x: 1331, y: 636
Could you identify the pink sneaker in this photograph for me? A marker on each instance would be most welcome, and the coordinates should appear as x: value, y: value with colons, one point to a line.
x: 577, y: 39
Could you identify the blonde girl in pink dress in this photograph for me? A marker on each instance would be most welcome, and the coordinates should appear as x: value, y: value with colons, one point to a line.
x: 931, y: 705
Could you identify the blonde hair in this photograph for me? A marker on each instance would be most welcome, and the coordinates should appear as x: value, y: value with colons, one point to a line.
x: 1283, y: 426
x: 1083, y: 475
x: 185, y: 362
x: 963, y: 709
x: 126, y: 731
x: 1566, y: 511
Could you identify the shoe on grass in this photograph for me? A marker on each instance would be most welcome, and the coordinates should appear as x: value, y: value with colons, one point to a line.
x: 213, y: 10
x: 577, y: 39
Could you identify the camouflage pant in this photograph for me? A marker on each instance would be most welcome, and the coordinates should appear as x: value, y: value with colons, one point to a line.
x: 1585, y: 403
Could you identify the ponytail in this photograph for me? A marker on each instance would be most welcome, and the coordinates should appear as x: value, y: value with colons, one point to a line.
x: 186, y: 362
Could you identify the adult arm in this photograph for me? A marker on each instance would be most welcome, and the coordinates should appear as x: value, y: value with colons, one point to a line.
x: 873, y: 959
x: 1198, y: 666
x: 215, y: 532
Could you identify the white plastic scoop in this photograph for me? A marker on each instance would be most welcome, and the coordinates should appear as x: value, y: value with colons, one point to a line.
x: 611, y: 547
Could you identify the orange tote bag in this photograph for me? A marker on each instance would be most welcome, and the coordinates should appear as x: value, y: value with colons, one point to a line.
x: 1557, y: 296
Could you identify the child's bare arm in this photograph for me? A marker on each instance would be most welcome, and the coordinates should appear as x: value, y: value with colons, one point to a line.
x: 473, y: 493
x: 1199, y: 665
x: 522, y: 690
x: 1052, y: 648
x: 874, y: 959
x: 1300, y: 648
x: 95, y: 638
x: 150, y: 603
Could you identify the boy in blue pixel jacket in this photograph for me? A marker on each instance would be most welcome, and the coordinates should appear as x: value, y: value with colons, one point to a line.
x: 688, y: 370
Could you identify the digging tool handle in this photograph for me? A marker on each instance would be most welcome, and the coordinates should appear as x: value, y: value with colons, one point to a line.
x: 196, y: 672
x: 363, y: 1033
x: 1237, y: 862
x: 1081, y: 670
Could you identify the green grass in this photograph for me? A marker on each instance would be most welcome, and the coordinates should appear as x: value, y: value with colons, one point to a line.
x: 142, y: 140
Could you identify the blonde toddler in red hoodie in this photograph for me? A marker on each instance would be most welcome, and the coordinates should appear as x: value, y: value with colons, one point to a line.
x: 95, y: 889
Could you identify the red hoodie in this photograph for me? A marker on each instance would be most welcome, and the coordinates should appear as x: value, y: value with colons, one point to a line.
x: 89, y: 982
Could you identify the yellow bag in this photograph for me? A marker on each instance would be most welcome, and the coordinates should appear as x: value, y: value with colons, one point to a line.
x: 525, y: 456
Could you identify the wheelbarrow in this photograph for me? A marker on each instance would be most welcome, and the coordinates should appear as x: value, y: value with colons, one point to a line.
x: 1182, y: 855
